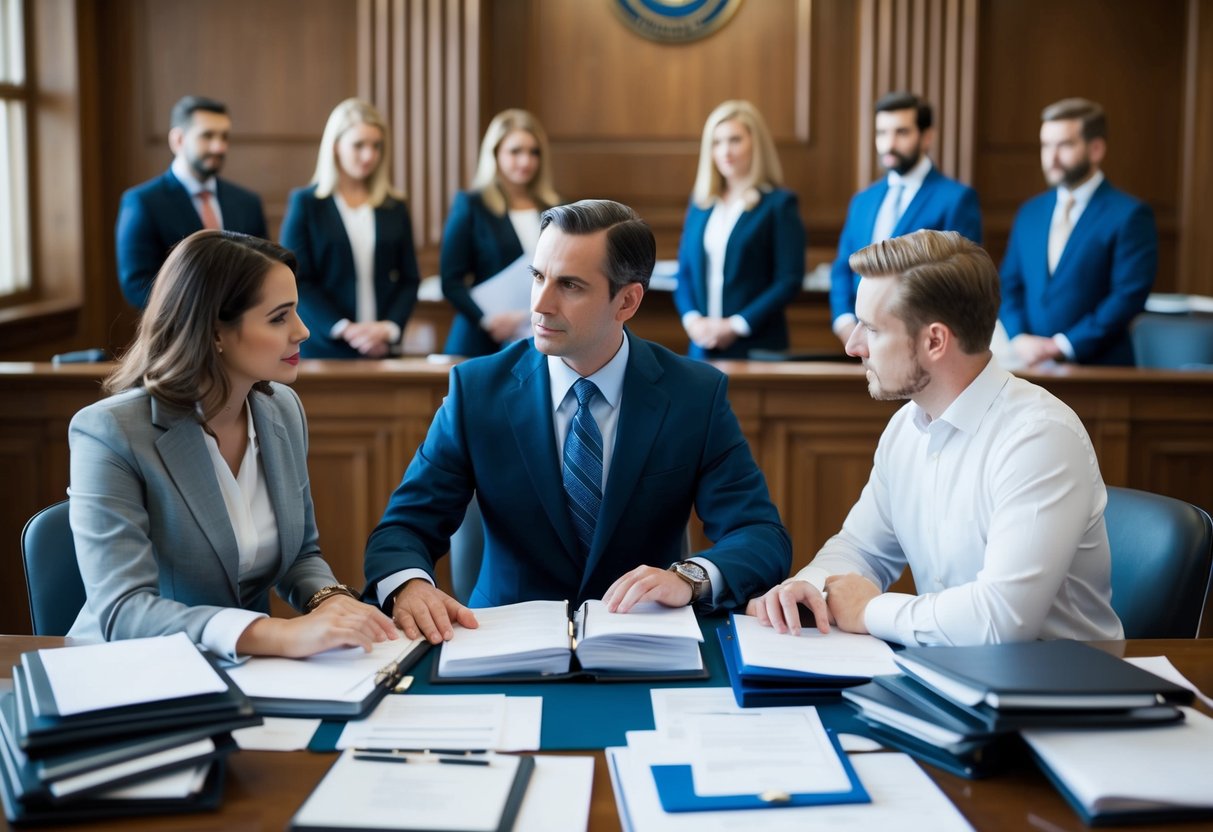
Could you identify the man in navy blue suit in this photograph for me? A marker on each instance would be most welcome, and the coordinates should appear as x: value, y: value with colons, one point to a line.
x: 1082, y: 257
x: 912, y: 196
x: 587, y: 449
x: 189, y: 196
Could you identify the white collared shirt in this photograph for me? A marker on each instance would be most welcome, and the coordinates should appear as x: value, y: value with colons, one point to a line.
x: 716, y: 235
x: 997, y: 508
x: 193, y: 187
x: 255, y: 528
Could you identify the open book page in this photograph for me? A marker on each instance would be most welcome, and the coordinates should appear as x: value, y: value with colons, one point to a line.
x: 833, y: 654
x: 346, y: 675
x: 530, y: 637
x: 94, y: 677
x: 650, y: 637
x: 1115, y: 769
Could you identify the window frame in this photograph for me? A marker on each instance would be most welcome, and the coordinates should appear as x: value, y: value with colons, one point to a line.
x: 23, y: 93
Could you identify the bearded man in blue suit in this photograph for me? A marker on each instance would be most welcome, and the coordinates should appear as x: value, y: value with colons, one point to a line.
x: 189, y: 196
x: 586, y: 448
x: 912, y: 196
x: 1082, y: 257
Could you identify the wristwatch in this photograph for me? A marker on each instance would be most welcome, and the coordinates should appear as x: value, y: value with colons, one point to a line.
x: 695, y: 575
x: 328, y: 592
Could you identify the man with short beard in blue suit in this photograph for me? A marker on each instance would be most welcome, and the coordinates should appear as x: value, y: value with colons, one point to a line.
x: 156, y: 215
x: 587, y: 449
x: 913, y: 196
x: 1082, y: 257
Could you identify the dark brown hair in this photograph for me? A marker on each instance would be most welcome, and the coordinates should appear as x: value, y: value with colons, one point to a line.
x: 631, y: 249
x: 1094, y: 122
x: 210, y: 279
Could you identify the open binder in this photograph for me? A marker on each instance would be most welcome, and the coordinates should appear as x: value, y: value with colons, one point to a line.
x: 338, y: 684
x: 541, y: 641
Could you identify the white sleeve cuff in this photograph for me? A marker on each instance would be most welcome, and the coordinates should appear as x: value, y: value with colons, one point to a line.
x: 1063, y: 344
x: 740, y: 325
x: 814, y: 575
x: 393, y: 330
x: 881, y: 615
x: 224, y: 630
x: 690, y: 318
x: 385, y: 588
x: 339, y: 328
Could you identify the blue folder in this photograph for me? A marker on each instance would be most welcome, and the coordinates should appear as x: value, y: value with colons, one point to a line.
x: 676, y: 790
x: 768, y: 688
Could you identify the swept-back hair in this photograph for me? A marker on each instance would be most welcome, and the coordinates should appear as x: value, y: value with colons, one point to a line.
x: 210, y: 279
x: 1094, y: 121
x: 631, y: 249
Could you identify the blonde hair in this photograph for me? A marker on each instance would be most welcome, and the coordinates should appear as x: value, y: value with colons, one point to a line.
x: 488, y: 178
x: 765, y: 170
x: 345, y: 115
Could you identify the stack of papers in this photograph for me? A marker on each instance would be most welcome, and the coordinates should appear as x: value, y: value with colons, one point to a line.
x: 472, y: 722
x: 125, y: 727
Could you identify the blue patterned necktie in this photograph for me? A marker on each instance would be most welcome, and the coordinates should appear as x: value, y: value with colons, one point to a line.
x: 583, y: 465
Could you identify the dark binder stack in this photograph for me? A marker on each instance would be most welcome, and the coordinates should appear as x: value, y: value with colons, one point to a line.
x: 148, y: 757
x: 959, y: 708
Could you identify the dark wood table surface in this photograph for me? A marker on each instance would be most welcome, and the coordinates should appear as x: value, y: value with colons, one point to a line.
x: 264, y: 789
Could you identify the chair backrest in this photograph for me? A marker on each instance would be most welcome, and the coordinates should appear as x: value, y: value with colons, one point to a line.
x: 1162, y: 557
x: 52, y: 577
x: 1175, y: 342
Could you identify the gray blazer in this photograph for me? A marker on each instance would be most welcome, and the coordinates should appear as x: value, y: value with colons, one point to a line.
x: 154, y: 542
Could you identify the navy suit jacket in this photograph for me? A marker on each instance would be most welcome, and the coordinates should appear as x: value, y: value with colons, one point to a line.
x: 1102, y: 279
x: 941, y: 204
x: 763, y: 271
x: 678, y: 445
x: 476, y: 243
x: 314, y: 231
x: 155, y: 216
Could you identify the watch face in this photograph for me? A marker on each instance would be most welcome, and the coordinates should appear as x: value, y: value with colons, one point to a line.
x: 693, y: 571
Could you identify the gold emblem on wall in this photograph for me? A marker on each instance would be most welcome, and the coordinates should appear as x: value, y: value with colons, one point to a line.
x: 674, y: 21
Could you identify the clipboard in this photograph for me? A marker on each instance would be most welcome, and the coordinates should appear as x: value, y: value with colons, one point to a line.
x: 676, y: 790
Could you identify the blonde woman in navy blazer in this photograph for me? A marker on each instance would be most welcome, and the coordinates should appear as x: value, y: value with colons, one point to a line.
x: 189, y: 492
x: 352, y: 235
x: 511, y: 188
x: 738, y: 198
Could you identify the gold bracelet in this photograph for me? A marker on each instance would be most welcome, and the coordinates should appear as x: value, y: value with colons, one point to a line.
x: 327, y: 592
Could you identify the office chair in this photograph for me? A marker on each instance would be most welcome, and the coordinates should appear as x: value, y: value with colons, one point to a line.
x: 1175, y: 342
x: 1162, y: 556
x: 52, y: 578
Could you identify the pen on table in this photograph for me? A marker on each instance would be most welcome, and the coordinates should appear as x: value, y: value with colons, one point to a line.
x: 430, y: 758
x: 449, y: 752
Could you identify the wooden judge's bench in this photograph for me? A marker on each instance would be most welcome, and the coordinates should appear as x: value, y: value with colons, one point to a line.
x: 811, y: 425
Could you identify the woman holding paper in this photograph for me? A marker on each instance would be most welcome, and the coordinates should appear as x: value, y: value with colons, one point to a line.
x: 741, y: 259
x: 492, y: 226
x: 189, y: 489
x: 351, y: 233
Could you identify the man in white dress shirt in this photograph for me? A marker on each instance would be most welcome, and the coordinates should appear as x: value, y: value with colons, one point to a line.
x: 986, y: 485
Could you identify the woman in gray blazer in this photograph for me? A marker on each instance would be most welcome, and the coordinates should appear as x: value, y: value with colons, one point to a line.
x: 189, y: 486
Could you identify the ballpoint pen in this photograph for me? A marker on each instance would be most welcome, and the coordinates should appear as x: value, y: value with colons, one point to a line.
x: 382, y: 757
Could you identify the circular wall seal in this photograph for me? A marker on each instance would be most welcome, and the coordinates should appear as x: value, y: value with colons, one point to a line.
x: 675, y: 21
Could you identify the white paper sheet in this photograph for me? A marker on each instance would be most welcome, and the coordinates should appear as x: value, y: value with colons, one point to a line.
x: 178, y: 784
x: 473, y: 721
x: 346, y: 675
x: 356, y: 794
x: 507, y: 291
x: 277, y: 733
x: 1161, y: 666
x: 94, y: 677
x: 834, y: 654
x: 899, y: 789
x: 558, y: 797
x: 523, y: 723
x: 1109, y: 769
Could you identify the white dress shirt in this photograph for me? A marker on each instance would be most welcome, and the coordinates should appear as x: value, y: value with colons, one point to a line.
x: 716, y: 234
x: 256, y: 530
x: 193, y: 187
x: 1082, y: 198
x: 360, y: 229
x: 526, y: 228
x: 997, y: 507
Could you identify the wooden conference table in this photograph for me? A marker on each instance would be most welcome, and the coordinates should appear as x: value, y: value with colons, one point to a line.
x: 264, y: 789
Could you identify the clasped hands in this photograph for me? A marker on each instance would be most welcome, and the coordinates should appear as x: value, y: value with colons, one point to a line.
x: 712, y: 333
x: 372, y: 338
x: 422, y: 610
x: 845, y: 600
